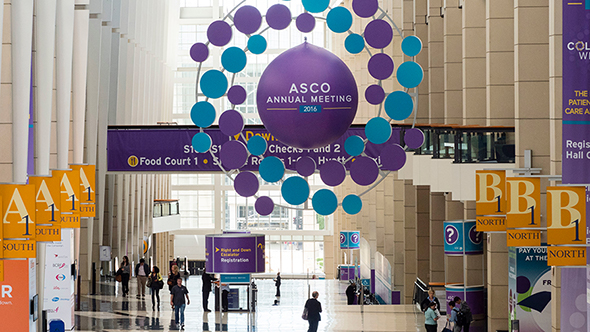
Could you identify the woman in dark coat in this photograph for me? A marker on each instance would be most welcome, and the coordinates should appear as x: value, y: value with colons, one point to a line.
x: 350, y: 293
x: 314, y: 307
x: 126, y: 273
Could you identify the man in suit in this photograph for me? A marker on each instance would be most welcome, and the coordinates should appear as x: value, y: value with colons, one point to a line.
x: 207, y: 280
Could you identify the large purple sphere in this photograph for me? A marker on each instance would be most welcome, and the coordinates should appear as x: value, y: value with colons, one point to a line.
x: 307, y: 97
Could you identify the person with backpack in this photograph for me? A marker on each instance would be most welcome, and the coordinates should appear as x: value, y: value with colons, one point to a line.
x: 464, y: 316
x: 453, y: 316
x: 156, y: 283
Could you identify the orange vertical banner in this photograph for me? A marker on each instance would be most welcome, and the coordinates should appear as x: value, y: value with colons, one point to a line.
x: 87, y: 189
x: 47, y: 203
x: 490, y: 193
x: 566, y: 215
x: 18, y: 213
x: 524, y: 202
x: 69, y: 186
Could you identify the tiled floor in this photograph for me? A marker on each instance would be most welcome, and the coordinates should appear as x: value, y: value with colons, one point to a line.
x: 114, y: 313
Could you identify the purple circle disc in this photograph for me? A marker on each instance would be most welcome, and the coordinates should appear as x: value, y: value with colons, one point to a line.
x: 199, y: 52
x: 414, y: 138
x: 219, y: 33
x: 233, y: 154
x: 380, y: 66
x: 365, y: 8
x: 246, y: 184
x: 237, y: 95
x: 264, y: 205
x: 231, y: 122
x: 305, y: 22
x: 305, y: 166
x: 332, y: 173
x: 378, y: 34
x: 374, y: 94
x: 247, y: 19
x: 278, y: 17
x: 364, y: 171
x: 393, y: 157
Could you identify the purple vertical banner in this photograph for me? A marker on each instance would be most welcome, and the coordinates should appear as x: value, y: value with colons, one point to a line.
x: 260, y: 253
x: 573, y: 300
x: 576, y: 99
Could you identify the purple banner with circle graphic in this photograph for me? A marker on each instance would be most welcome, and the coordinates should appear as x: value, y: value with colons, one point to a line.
x: 235, y: 253
x: 458, y: 244
x: 148, y: 149
x: 474, y: 296
x: 575, y: 94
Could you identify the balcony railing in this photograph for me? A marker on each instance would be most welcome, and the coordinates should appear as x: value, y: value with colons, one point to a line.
x: 467, y: 144
x: 165, y: 207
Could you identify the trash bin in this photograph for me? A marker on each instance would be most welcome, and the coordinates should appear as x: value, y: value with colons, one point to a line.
x: 57, y: 326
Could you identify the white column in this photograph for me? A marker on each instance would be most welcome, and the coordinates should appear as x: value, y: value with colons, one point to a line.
x: 125, y: 217
x: 120, y: 186
x: 45, y: 50
x: 80, y: 69
x: 22, y: 40
x: 64, y: 49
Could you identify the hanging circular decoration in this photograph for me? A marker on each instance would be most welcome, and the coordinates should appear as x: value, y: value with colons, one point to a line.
x: 308, y: 87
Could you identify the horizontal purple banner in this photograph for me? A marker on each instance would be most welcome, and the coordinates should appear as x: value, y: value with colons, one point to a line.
x: 235, y: 253
x: 170, y: 149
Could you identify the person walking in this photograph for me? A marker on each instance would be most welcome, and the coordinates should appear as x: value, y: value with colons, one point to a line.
x: 156, y: 283
x: 172, y: 278
x: 177, y: 295
x: 125, y: 274
x: 277, y: 281
x: 142, y: 271
x: 314, y: 307
x: 207, y: 280
x: 431, y: 317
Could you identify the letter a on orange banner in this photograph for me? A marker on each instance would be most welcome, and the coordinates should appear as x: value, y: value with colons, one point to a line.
x: 18, y: 213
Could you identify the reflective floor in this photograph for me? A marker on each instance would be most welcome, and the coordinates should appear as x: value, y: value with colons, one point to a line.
x: 110, y: 312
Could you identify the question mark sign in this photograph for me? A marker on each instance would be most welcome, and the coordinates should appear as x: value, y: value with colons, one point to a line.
x: 451, y: 232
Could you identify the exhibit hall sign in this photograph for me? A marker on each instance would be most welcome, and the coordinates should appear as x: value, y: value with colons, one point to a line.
x: 235, y: 253
x: 47, y: 204
x: 18, y: 211
x: 566, y: 215
x: 575, y: 94
x: 490, y: 201
x: 566, y: 256
x: 87, y: 189
x: 523, y: 238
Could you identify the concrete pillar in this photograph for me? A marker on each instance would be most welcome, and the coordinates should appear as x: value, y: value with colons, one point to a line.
x: 474, y: 62
x: 454, y: 210
x: 398, y: 237
x: 437, y: 217
x: 410, y: 254
x: 435, y: 63
x: 474, y: 263
x: 497, y: 281
x: 500, y: 63
x: 453, y: 69
x: 555, y: 299
x: 423, y: 232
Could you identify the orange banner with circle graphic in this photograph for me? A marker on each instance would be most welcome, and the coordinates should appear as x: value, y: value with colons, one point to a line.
x: 566, y: 215
x: 524, y: 202
x: 69, y: 187
x: 18, y: 211
x: 490, y: 192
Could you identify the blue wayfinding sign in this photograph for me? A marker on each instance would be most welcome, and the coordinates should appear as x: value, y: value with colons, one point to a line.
x: 461, y: 238
x: 243, y: 278
x: 350, y: 240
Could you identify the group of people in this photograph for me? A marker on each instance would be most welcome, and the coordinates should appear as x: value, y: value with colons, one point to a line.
x: 145, y: 276
x: 459, y: 318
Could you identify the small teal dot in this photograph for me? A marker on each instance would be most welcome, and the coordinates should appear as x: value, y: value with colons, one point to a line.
x: 324, y: 202
x: 315, y: 6
x: 399, y: 105
x: 201, y: 142
x: 354, y: 43
x: 271, y: 169
x: 257, y: 44
x: 339, y: 19
x: 203, y: 114
x: 295, y: 190
x: 378, y: 130
x: 354, y: 145
x: 257, y: 145
x: 410, y: 74
x: 233, y: 60
x: 352, y: 204
x: 213, y: 84
x: 411, y: 45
